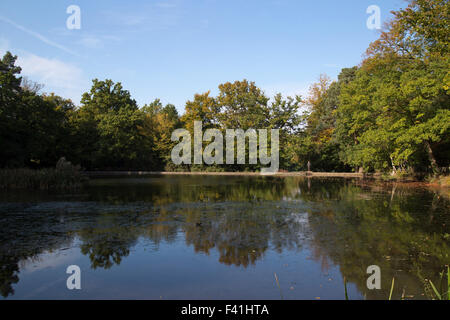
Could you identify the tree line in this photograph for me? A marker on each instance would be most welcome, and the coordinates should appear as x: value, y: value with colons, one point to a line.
x: 389, y: 114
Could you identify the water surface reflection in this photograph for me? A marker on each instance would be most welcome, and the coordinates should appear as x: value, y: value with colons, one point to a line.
x: 222, y: 237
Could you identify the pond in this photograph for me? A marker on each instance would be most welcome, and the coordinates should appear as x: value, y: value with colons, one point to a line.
x: 223, y: 237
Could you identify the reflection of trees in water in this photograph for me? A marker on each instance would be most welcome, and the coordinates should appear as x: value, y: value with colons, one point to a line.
x: 198, y: 189
x: 106, y: 247
x: 393, y: 232
x: 348, y: 225
x: 242, y: 232
x: 9, y: 270
x: 23, y: 236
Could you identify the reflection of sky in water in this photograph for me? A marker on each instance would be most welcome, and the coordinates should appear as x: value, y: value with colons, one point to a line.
x: 47, y: 260
x: 175, y: 271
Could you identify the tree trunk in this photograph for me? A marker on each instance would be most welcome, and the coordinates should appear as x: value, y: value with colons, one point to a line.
x: 394, y: 169
x: 433, y: 161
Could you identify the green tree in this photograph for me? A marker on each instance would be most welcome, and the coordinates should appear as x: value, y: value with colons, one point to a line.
x: 107, y: 127
x: 321, y: 143
x: 33, y: 127
x: 243, y: 106
x: 158, y: 124
x: 395, y: 113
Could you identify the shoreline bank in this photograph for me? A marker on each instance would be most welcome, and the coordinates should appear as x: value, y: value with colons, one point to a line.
x: 279, y: 174
x: 166, y: 173
x: 369, y: 176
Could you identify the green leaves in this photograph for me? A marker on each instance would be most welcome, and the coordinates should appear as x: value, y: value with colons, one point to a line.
x: 392, y: 289
x: 109, y: 120
x: 436, y: 292
x: 445, y: 295
x: 242, y: 105
x: 394, y: 113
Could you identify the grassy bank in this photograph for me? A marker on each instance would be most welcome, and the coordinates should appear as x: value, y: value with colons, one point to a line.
x: 63, y: 176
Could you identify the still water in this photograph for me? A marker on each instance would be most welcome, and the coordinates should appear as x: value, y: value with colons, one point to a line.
x: 216, y: 237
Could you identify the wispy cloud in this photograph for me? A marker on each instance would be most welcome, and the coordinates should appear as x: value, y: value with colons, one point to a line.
x: 90, y: 42
x: 94, y: 41
x: 37, y: 35
x: 158, y: 15
x: 60, y: 77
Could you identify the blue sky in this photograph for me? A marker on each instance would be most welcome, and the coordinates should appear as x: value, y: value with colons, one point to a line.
x: 172, y: 49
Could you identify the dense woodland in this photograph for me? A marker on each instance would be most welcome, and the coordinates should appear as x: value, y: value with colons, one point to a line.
x: 391, y: 113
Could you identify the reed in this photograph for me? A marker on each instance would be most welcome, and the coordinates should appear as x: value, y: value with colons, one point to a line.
x: 63, y: 176
x: 443, y: 294
x: 278, y: 284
